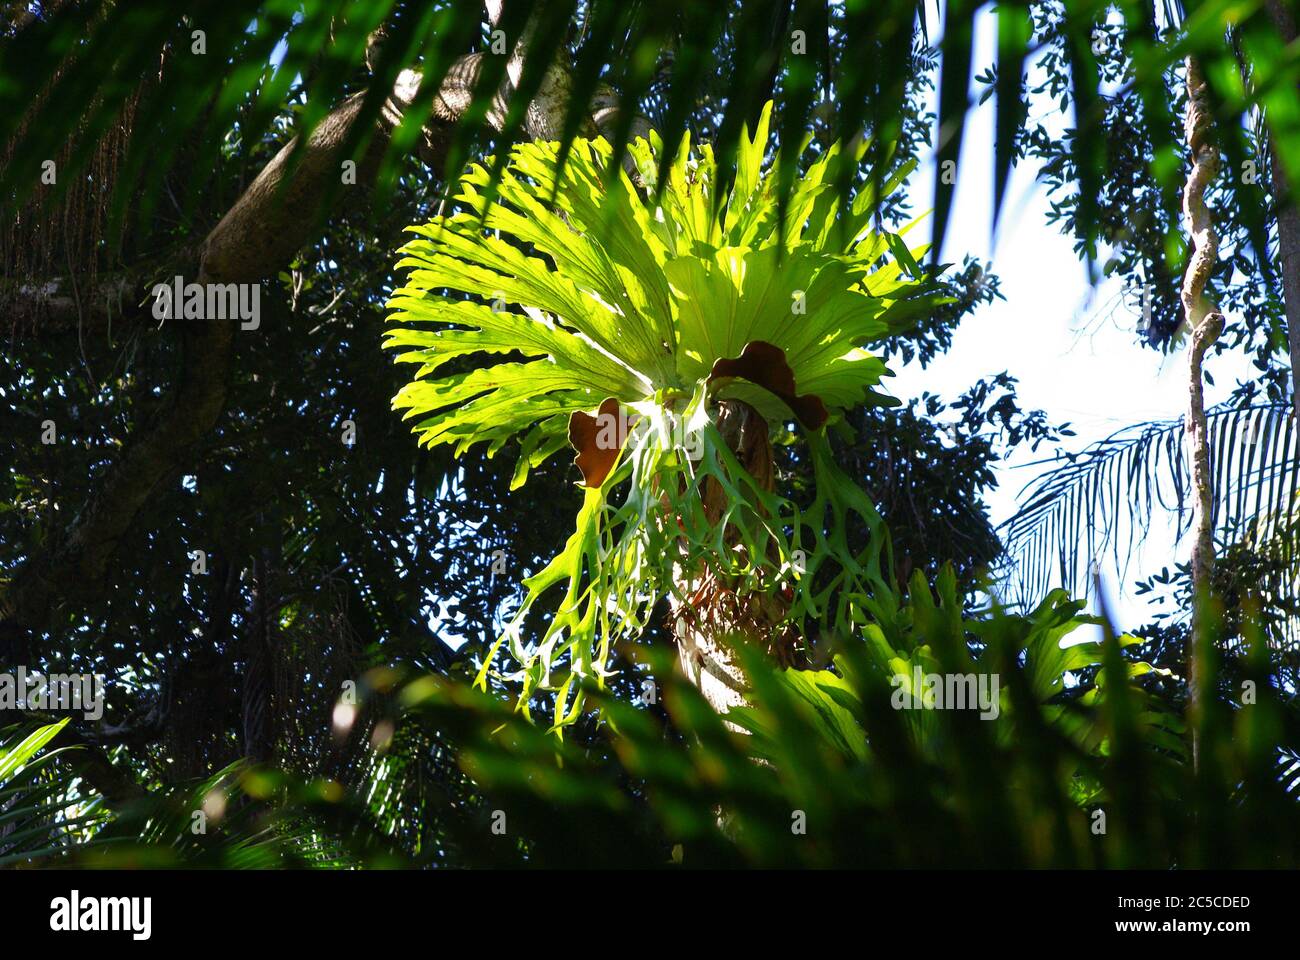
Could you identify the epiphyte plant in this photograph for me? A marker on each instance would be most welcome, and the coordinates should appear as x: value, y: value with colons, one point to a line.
x: 698, y: 318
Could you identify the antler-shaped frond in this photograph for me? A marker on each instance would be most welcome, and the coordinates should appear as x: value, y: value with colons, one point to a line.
x: 576, y: 292
x: 607, y: 293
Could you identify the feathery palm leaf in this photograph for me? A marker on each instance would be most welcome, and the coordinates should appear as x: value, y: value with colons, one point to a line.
x: 1103, y: 499
x: 238, y: 818
x: 40, y: 816
x: 904, y: 635
x: 1020, y: 790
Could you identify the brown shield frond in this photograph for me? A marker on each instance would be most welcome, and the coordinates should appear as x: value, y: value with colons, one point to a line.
x: 597, y: 440
x: 764, y: 364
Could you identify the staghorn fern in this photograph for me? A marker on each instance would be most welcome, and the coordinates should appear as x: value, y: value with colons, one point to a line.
x: 634, y: 317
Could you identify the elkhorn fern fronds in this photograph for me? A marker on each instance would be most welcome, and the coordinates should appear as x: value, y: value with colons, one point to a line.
x: 606, y: 320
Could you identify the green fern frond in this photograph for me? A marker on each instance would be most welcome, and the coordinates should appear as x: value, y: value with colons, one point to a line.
x: 588, y: 294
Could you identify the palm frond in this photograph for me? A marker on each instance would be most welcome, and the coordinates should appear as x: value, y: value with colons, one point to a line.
x: 240, y: 817
x: 79, y: 65
x: 1079, y: 730
x: 1101, y: 501
x: 43, y: 814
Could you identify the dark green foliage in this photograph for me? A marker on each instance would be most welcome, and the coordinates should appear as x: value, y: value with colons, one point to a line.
x: 1083, y: 768
x: 926, y: 466
x: 370, y: 557
x: 1018, y: 791
x: 375, y: 554
x: 1128, y: 198
x: 657, y: 55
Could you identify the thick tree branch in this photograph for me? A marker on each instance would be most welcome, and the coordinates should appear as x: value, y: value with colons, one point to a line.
x: 63, y: 305
x: 255, y: 239
x: 59, y: 306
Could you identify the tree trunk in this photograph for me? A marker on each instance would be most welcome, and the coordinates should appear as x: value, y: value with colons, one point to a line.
x: 257, y: 705
x: 713, y: 617
x: 1204, y: 324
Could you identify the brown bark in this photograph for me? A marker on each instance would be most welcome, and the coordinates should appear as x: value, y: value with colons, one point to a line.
x: 59, y: 305
x: 272, y: 219
x: 1204, y: 324
x: 256, y: 702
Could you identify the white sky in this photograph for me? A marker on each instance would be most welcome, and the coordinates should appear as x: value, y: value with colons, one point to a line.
x: 1076, y: 356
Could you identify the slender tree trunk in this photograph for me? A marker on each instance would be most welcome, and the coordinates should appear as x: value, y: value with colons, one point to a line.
x: 1204, y: 324
x: 257, y: 704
